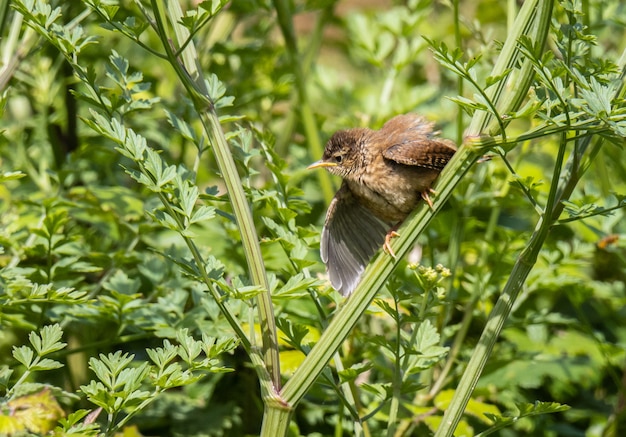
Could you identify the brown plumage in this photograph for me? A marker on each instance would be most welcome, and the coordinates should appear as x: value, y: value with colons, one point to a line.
x: 385, y: 174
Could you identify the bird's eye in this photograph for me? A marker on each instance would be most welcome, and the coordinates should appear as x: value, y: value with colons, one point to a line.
x: 338, y: 159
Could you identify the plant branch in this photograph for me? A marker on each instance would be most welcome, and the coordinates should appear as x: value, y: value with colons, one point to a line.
x: 190, y: 75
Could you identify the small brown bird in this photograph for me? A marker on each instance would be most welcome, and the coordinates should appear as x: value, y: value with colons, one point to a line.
x: 385, y: 174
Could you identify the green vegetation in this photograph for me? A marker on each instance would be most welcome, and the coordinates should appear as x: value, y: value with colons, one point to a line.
x: 159, y: 234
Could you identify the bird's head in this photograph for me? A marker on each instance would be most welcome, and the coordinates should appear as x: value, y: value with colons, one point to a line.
x: 343, y: 153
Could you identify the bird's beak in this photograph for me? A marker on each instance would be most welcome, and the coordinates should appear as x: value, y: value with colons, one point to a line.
x: 321, y: 164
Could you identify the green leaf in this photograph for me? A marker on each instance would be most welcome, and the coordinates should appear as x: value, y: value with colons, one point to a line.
x: 597, y: 99
x: 188, y: 348
x: 351, y: 373
x: 121, y: 283
x: 524, y: 410
x: 294, y: 333
x: 296, y: 286
x: 187, y: 196
x: 182, y: 127
x: 132, y: 378
x: 11, y: 175
x: 381, y: 391
x: 427, y: 350
x: 468, y: 105
x: 24, y: 355
x: 5, y: 375
x: 217, y: 91
x: 109, y: 366
x: 49, y: 340
x: 427, y: 336
x: 492, y: 80
x: 212, y: 6
x: 202, y: 214
x: 45, y: 364
x: 214, y: 347
x: 166, y: 220
x: 163, y: 356
x: 72, y: 420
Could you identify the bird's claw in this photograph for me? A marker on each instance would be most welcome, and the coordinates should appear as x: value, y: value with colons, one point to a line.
x: 426, y: 197
x: 387, y: 246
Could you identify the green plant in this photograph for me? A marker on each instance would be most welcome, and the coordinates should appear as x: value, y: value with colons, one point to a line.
x: 153, y: 196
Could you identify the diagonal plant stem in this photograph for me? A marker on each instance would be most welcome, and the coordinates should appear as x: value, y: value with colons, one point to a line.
x: 374, y: 278
x: 566, y: 182
x: 563, y: 184
x: 520, y: 272
x: 15, y: 47
x: 189, y: 73
x: 533, y: 20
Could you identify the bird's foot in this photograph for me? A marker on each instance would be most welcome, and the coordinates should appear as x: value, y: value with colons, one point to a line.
x: 387, y: 246
x: 426, y: 197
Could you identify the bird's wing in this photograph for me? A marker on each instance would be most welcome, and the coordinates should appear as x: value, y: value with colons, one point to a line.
x: 421, y: 152
x: 412, y: 142
x: 351, y: 235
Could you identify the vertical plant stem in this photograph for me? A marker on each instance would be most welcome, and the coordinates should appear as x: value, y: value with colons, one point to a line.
x: 275, y: 422
x: 306, y: 60
x: 511, y: 9
x: 563, y: 184
x: 455, y: 349
x: 4, y: 12
x: 385, y: 94
x: 16, y: 47
x: 349, y: 393
x: 251, y: 245
x: 192, y: 78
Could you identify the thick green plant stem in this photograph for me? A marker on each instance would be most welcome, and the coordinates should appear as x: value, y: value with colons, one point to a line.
x: 15, y: 47
x: 373, y: 279
x: 192, y: 78
x: 276, y: 421
x: 533, y: 21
